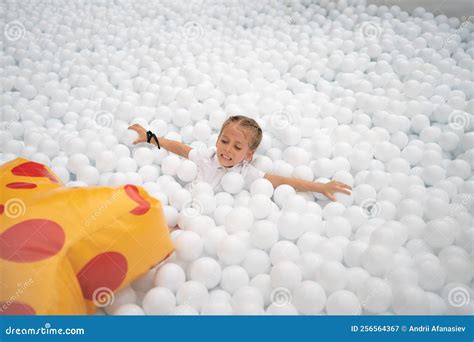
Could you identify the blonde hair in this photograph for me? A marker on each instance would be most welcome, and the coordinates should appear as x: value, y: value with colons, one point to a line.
x: 250, y: 125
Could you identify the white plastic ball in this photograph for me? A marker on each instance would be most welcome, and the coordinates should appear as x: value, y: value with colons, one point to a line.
x: 129, y: 310
x: 187, y: 171
x: 375, y: 295
x: 343, y: 302
x: 331, y: 275
x: 288, y: 226
x: 192, y: 293
x: 233, y: 278
x: 159, y: 301
x: 309, y: 298
x: 170, y: 275
x: 256, y: 262
x: 260, y: 205
x: 205, y: 270
x: 283, y: 192
x: 262, y: 186
x: 286, y: 274
x: 232, y: 182
x: 247, y: 295
x: 284, y: 251
x: 264, y: 234
x: 237, y: 219
x: 212, y: 239
x: 231, y: 250
x: 189, y: 246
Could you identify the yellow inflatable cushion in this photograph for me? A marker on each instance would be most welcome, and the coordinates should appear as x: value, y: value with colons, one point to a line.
x: 67, y: 250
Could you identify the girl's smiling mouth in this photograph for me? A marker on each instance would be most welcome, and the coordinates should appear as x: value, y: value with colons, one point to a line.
x: 224, y: 156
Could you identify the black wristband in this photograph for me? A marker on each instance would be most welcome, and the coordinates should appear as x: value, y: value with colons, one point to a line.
x: 150, y: 135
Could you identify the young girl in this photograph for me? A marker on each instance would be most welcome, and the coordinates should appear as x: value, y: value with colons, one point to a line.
x: 237, y: 142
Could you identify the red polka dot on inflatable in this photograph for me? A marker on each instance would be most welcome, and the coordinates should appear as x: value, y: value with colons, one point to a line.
x: 31, y: 240
x: 107, y: 270
x: 16, y: 308
x: 21, y: 185
x: 2, y: 209
x: 143, y: 205
x: 32, y: 169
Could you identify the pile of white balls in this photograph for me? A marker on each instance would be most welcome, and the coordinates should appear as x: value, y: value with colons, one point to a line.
x: 370, y: 96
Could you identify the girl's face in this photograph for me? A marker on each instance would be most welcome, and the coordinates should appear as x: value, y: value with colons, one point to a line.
x: 233, y: 146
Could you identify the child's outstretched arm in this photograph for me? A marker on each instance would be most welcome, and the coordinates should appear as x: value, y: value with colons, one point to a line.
x: 327, y: 189
x: 170, y: 145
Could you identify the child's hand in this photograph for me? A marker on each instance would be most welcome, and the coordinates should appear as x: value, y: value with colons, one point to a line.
x: 141, y: 133
x: 335, y: 186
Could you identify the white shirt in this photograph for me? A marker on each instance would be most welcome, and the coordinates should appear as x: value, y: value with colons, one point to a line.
x: 210, y: 171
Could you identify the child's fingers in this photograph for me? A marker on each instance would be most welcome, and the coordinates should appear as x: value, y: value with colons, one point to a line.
x: 135, y: 127
x: 344, y: 189
x: 343, y: 185
x: 330, y: 196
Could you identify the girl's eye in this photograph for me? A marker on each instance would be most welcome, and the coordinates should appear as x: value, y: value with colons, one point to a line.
x: 238, y: 148
x: 224, y: 142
